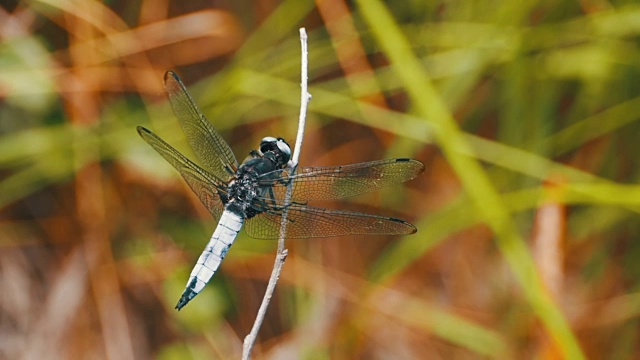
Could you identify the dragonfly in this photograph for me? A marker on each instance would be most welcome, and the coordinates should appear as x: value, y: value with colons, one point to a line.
x: 253, y: 194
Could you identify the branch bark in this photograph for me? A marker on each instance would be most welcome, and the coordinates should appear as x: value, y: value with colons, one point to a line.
x: 250, y: 339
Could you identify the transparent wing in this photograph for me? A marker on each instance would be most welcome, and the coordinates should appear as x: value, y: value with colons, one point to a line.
x: 307, y: 222
x: 336, y: 182
x: 209, y: 146
x: 204, y: 185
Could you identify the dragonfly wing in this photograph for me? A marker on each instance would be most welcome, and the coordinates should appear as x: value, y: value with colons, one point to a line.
x: 208, y: 145
x: 306, y: 222
x: 204, y: 185
x: 336, y: 182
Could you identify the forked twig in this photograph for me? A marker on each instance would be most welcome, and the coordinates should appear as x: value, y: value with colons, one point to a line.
x: 250, y: 339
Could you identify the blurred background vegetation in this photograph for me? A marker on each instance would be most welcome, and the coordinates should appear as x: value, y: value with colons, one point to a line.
x: 523, y: 112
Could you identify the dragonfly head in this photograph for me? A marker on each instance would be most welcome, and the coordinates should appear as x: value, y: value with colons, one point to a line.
x: 278, y: 147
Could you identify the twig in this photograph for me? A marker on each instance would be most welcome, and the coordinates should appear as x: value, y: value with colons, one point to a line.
x: 250, y: 340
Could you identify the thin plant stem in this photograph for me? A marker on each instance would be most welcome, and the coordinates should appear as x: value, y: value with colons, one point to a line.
x: 250, y: 339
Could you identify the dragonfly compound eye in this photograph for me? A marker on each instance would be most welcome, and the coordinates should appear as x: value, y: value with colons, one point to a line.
x: 285, y: 149
x: 267, y: 144
x: 278, y: 146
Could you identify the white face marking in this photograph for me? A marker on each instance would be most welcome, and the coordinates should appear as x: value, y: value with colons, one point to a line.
x: 284, y: 148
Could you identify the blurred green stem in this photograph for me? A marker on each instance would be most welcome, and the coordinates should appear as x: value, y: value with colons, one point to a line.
x: 475, y: 181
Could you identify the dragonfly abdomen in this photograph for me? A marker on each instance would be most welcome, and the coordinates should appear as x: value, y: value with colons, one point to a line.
x: 223, y: 237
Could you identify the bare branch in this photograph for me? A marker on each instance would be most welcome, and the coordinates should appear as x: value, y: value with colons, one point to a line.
x: 250, y: 340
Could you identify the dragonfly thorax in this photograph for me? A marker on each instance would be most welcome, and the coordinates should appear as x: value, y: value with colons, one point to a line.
x: 243, y: 188
x: 245, y: 191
